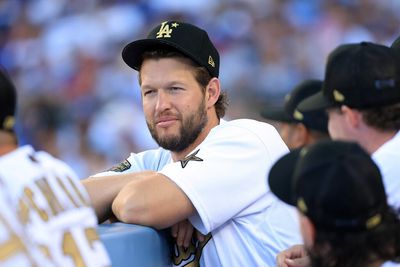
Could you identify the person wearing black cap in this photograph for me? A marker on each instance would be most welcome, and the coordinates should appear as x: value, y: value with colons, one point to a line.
x: 297, y: 128
x: 45, y: 208
x: 207, y: 170
x: 361, y: 93
x: 338, y: 191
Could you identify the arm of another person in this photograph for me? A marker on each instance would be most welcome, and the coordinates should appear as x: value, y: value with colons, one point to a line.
x: 152, y: 199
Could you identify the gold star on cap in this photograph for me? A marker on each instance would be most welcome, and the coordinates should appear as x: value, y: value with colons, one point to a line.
x: 298, y: 115
x: 338, y: 96
x: 174, y: 24
x: 301, y: 204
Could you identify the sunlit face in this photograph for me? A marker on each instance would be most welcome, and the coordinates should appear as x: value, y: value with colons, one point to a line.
x: 173, y: 102
x: 337, y: 124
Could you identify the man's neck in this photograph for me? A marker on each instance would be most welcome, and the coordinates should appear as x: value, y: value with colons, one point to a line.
x: 373, y: 139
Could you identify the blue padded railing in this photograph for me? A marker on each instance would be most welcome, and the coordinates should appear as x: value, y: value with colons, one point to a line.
x: 130, y: 245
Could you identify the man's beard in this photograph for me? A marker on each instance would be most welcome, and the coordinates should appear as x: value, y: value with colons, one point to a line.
x: 188, y: 132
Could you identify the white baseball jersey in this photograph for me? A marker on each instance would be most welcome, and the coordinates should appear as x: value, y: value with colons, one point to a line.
x: 16, y: 248
x: 225, y: 178
x: 387, y: 157
x: 53, y: 210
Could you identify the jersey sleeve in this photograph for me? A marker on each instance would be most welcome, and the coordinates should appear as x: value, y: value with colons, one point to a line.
x: 153, y: 159
x: 226, y: 174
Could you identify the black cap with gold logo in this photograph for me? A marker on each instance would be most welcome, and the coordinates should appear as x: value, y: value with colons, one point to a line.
x: 184, y: 37
x: 8, y: 100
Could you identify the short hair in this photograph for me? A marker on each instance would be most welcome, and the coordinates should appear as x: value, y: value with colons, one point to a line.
x: 356, y: 249
x: 386, y: 118
x: 201, y: 74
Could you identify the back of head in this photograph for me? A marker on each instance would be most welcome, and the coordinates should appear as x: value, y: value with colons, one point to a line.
x: 8, y: 101
x: 339, y: 188
x: 314, y: 120
x: 363, y: 75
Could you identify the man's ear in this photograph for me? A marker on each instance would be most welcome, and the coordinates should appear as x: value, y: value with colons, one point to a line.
x: 352, y: 116
x: 300, y: 135
x: 213, y: 91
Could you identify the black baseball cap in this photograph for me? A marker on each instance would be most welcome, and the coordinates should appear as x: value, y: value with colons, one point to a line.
x: 396, y: 45
x: 362, y: 75
x: 316, y: 120
x: 335, y: 184
x: 183, y: 37
x: 8, y: 102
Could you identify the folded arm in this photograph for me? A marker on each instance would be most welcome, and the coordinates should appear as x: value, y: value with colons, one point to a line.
x: 152, y: 199
x: 102, y: 191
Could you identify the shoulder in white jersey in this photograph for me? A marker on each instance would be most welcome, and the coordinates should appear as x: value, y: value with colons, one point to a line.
x: 52, y: 207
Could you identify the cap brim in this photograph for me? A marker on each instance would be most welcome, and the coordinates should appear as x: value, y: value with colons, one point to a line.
x: 314, y: 103
x: 280, y: 178
x: 277, y: 114
x: 132, y: 52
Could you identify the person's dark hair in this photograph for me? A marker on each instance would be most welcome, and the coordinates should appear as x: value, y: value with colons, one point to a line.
x: 202, y: 75
x: 358, y: 249
x: 385, y: 118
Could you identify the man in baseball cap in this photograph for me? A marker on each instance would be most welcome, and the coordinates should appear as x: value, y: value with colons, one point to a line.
x: 208, y: 175
x: 299, y: 128
x: 360, y: 76
x: 340, y: 196
x: 361, y: 94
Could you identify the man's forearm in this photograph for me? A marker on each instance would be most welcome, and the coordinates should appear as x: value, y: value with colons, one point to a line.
x: 102, y: 191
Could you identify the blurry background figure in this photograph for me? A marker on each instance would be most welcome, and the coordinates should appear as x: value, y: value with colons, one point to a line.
x: 64, y: 52
x: 344, y: 215
x: 299, y: 128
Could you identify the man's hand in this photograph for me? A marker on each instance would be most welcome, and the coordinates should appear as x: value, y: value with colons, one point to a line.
x: 183, y: 232
x: 295, y: 256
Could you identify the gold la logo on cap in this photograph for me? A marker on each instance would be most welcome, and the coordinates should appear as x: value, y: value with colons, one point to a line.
x: 211, y: 61
x: 165, y: 29
x: 338, y: 96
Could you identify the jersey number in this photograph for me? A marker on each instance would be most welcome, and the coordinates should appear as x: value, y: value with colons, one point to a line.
x: 70, y: 248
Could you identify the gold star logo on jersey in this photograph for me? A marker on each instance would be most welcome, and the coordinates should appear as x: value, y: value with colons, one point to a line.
x: 191, y: 157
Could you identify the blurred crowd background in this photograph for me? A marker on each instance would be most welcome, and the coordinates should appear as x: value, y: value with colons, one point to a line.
x: 80, y: 102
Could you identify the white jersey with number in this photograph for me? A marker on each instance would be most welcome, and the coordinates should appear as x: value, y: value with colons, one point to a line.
x: 53, y: 210
x: 16, y: 247
x: 225, y: 178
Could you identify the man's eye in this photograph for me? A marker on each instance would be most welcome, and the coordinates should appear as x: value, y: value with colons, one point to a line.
x: 148, y: 92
